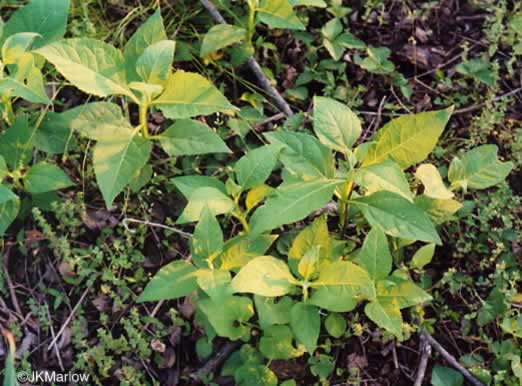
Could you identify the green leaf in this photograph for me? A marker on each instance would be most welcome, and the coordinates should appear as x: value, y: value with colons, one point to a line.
x: 188, y: 184
x: 214, y: 282
x: 403, y: 291
x: 101, y: 121
x: 340, y: 286
x: 386, y: 314
x: 238, y: 251
x: 377, y: 61
x: 54, y: 136
x: 444, y: 376
x: 309, y: 264
x: 116, y: 161
x: 154, y: 65
x: 478, y: 169
x: 227, y: 315
x: 314, y: 235
x: 48, y: 18
x: 478, y: 69
x: 335, y: 325
x: 438, y: 210
x: 16, y: 143
x: 279, y: 14
x: 256, y: 166
x: 189, y: 94
x: 149, y: 33
x: 257, y: 195
x: 15, y: 88
x: 386, y: 175
x: 270, y: 312
x: 423, y: 256
x: 252, y: 374
x: 9, y: 208
x: 3, y: 168
x: 207, y: 240
x: 292, y: 203
x: 408, y: 139
x: 15, y: 46
x: 277, y: 344
x: 306, y: 325
x: 173, y: 281
x: 45, y: 177
x: 265, y: 276
x: 397, y: 217
x: 335, y: 124
x: 433, y: 185
x: 375, y: 256
x: 219, y: 37
x: 215, y: 200
x: 190, y: 137
x: 91, y: 65
x: 302, y: 154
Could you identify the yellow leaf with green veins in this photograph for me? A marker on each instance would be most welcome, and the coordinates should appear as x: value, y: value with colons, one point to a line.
x: 433, y: 185
x: 409, y: 139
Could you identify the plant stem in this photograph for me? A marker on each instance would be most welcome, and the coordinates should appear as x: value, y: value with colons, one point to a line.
x: 143, y: 121
x: 9, y: 113
x: 251, y: 22
x: 242, y: 220
x: 343, y: 208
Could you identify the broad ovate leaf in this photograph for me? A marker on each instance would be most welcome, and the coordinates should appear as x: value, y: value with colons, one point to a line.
x: 116, y: 161
x: 335, y: 124
x: 265, y: 276
x: 423, y: 256
x: 188, y: 94
x: 302, y: 154
x: 9, y: 208
x: 277, y: 344
x: 100, y: 121
x: 403, y: 291
x: 238, y: 251
x: 16, y: 45
x: 227, y: 315
x: 314, y: 235
x: 16, y: 88
x: 386, y: 175
x: 340, y: 286
x: 438, y: 210
x: 479, y: 168
x: 91, y: 65
x: 397, y: 217
x: 271, y: 312
x: 279, y: 14
x: 221, y: 36
x: 47, y: 18
x: 386, y: 314
x: 188, y: 184
x: 175, y: 280
x: 154, y: 65
x: 207, y: 240
x: 306, y: 325
x: 214, y: 282
x: 149, y: 33
x: 433, y: 185
x: 190, y: 137
x: 409, y: 139
x: 45, y: 177
x: 292, y: 203
x: 375, y: 256
x: 256, y: 166
x: 217, y: 201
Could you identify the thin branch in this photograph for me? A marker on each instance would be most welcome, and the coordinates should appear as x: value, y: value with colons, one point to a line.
x: 451, y: 360
x: 252, y: 64
x: 480, y: 105
x: 217, y: 359
x: 426, y: 354
x: 153, y: 224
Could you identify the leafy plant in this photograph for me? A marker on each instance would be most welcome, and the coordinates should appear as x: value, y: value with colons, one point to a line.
x: 319, y: 271
x: 20, y: 77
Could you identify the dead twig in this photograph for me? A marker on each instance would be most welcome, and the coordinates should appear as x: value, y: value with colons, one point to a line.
x: 451, y: 359
x: 217, y: 359
x: 425, y: 349
x: 252, y: 64
x: 153, y: 224
x: 480, y: 105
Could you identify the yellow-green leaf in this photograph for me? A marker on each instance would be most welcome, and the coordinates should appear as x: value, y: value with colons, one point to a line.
x: 433, y: 185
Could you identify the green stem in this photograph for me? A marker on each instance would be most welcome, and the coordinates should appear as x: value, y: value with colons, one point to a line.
x: 242, y: 220
x: 143, y: 121
x: 9, y: 113
x: 345, y: 197
x: 251, y: 23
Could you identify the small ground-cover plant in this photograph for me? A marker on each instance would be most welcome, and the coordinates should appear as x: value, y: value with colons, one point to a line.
x: 319, y: 272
